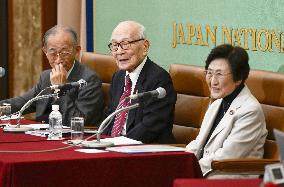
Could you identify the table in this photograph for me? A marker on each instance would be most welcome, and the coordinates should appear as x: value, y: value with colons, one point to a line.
x: 71, y: 168
x: 217, y: 182
x: 20, y: 137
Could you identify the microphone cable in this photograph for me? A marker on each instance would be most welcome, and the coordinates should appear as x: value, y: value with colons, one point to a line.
x: 48, y: 150
x: 69, y: 146
x: 38, y: 151
x: 66, y: 147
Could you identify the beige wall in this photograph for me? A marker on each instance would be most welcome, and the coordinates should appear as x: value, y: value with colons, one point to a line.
x: 72, y: 13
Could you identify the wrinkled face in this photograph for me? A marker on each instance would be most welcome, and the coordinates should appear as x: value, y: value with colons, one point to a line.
x: 128, y: 48
x: 60, y: 50
x: 220, y: 79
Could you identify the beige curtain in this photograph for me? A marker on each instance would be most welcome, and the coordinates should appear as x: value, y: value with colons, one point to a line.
x: 25, y: 54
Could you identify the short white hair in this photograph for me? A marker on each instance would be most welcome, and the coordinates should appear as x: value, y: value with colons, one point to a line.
x: 141, y: 28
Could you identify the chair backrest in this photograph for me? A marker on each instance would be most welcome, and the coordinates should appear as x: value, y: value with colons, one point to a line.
x: 268, y: 88
x: 192, y: 100
x: 104, y: 66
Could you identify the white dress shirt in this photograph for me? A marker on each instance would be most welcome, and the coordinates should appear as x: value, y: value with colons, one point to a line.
x: 134, y: 75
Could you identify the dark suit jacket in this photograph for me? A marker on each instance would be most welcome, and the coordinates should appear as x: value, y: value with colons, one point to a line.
x: 86, y: 102
x: 153, y: 121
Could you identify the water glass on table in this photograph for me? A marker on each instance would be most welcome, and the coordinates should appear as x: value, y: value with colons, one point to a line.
x: 5, y: 112
x: 77, y: 128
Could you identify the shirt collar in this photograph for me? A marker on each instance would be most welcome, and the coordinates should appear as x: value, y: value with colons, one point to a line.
x: 229, y: 98
x: 135, y: 74
x: 68, y: 73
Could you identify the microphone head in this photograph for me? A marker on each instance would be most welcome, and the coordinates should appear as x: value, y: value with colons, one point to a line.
x: 2, y: 72
x: 82, y: 83
x: 162, y: 92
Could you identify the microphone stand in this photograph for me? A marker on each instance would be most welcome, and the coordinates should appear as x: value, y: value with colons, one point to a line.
x: 102, y: 144
x: 18, y: 127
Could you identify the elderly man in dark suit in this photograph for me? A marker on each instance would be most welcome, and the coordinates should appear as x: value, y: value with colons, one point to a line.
x: 152, y: 122
x: 61, y: 47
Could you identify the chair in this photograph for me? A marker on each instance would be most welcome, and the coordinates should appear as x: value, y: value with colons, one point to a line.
x: 192, y: 100
x: 104, y: 66
x: 268, y: 88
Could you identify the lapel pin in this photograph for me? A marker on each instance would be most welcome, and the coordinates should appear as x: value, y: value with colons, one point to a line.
x: 231, y: 112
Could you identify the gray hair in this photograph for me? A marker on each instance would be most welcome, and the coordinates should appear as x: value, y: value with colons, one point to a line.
x: 54, y: 30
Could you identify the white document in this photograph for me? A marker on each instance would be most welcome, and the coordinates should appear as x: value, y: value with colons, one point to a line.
x: 145, y: 149
x: 39, y: 126
x: 121, y: 140
x: 12, y: 117
x: 45, y: 132
x: 34, y: 126
x: 41, y: 133
x: 90, y: 150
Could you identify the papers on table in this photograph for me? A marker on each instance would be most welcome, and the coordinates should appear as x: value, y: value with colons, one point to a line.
x: 41, y: 133
x: 90, y: 150
x: 43, y: 126
x: 45, y: 132
x: 28, y: 129
x: 121, y: 140
x: 38, y: 126
x: 145, y: 149
x: 4, y: 117
x: 109, y: 142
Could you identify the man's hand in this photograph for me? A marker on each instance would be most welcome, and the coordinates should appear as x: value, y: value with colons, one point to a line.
x: 58, y: 75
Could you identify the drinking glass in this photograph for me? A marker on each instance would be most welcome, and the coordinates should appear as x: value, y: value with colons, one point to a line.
x: 77, y: 128
x: 5, y: 112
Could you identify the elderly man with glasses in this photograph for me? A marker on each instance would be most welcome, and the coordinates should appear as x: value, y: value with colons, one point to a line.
x: 152, y: 122
x: 61, y: 48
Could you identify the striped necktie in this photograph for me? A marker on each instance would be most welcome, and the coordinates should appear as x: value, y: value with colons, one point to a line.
x: 121, y: 117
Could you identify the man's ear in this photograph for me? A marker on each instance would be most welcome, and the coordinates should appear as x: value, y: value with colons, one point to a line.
x: 77, y: 51
x: 78, y: 48
x: 44, y: 49
x: 146, y: 46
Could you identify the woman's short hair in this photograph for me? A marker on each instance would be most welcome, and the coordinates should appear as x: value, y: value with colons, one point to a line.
x: 237, y: 59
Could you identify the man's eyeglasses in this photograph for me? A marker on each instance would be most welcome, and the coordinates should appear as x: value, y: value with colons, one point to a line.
x: 62, y: 54
x: 124, y: 45
x: 217, y: 74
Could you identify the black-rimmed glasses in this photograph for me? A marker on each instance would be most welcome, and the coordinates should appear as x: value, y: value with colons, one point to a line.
x: 123, y: 44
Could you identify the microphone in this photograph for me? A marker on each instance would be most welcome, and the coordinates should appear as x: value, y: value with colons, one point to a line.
x: 2, y: 72
x: 98, y: 143
x: 159, y: 93
x: 67, y: 86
